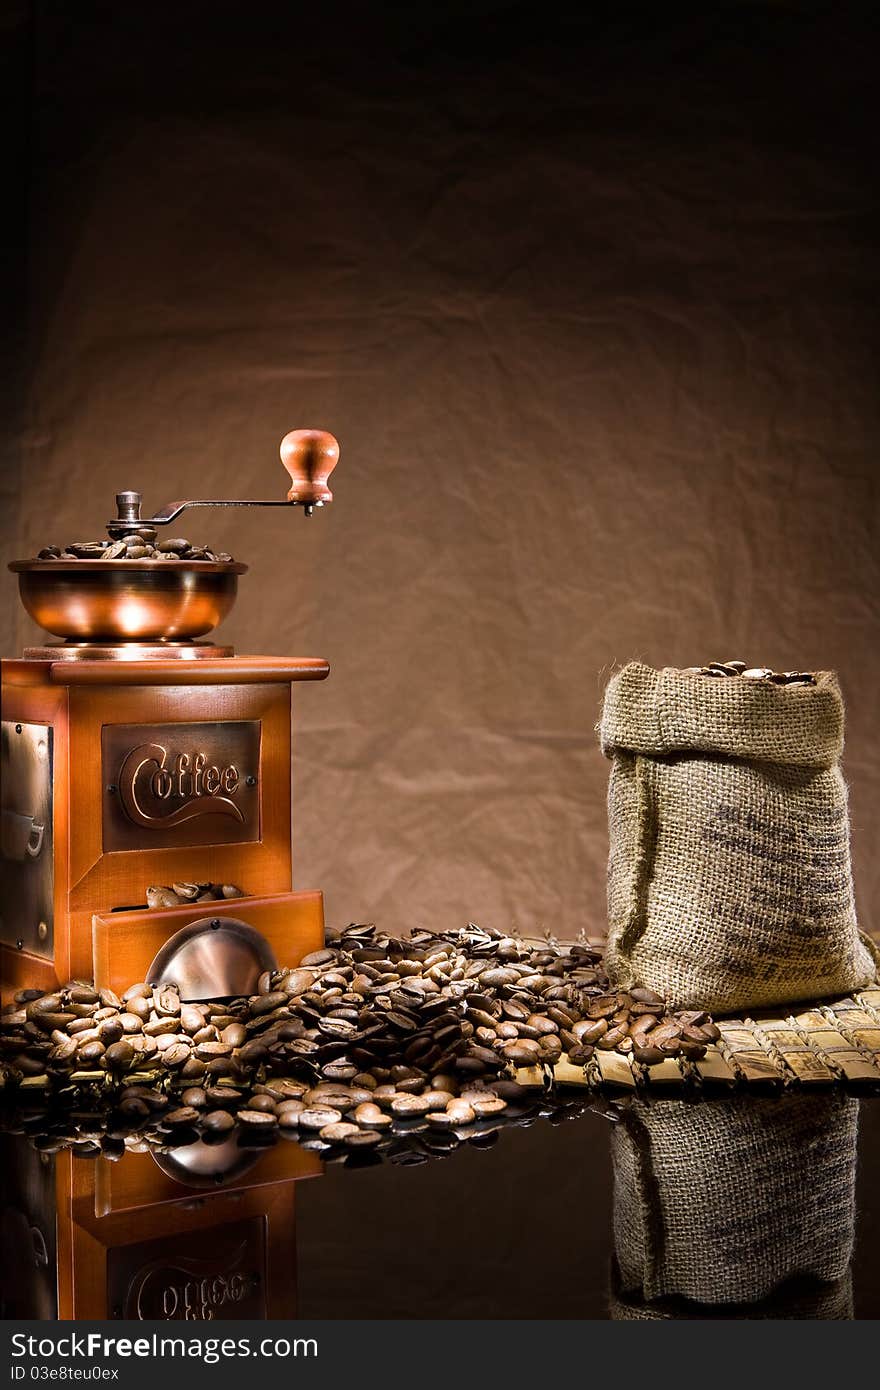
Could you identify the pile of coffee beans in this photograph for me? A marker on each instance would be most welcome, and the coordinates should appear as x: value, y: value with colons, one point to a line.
x: 753, y: 673
x: 177, y: 894
x: 414, y: 1022
x: 140, y: 545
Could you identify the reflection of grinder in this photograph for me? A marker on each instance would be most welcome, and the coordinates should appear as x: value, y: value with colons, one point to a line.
x: 135, y: 753
x: 202, y: 1232
x: 740, y: 1207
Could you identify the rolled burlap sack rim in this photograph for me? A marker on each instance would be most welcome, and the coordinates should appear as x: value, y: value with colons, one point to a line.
x: 660, y: 713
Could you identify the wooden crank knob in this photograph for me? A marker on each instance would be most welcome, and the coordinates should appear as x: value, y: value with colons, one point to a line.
x: 309, y: 457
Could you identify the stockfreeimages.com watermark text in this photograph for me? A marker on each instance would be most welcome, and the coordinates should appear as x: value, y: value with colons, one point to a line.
x: 93, y: 1346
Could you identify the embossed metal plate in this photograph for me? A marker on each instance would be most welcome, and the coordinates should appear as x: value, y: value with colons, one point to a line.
x: 213, y: 1274
x: 27, y: 874
x: 166, y: 786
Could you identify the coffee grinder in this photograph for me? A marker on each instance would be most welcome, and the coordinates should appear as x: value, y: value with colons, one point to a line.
x: 137, y: 753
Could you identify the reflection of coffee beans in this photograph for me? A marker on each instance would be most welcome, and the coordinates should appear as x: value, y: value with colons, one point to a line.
x: 218, y: 1122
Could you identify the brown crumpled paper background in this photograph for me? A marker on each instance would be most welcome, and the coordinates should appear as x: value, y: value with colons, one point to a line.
x: 589, y: 300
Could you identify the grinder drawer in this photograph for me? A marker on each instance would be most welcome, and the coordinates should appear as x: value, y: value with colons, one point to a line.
x: 218, y: 948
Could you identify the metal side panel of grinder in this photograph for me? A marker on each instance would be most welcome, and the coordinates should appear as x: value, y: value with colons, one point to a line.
x: 28, y: 1270
x: 27, y: 874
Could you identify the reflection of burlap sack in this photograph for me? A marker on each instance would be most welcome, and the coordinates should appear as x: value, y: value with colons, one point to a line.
x: 736, y: 1201
x: 822, y: 1303
x: 729, y: 882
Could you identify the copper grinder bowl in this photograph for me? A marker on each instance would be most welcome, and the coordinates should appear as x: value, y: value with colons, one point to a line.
x: 127, y: 600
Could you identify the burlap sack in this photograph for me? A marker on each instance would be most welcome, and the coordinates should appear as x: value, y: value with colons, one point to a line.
x: 729, y: 881
x: 746, y: 1201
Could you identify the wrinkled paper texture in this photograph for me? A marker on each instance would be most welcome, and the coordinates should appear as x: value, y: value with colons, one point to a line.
x: 589, y: 312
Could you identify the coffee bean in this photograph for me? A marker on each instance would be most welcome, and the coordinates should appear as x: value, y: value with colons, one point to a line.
x: 590, y: 1031
x: 118, y: 1056
x: 162, y: 897
x: 261, y: 1102
x: 47, y: 1022
x: 289, y: 1113
x: 64, y: 1052
x: 138, y: 991
x: 110, y: 1030
x: 460, y: 1112
x: 329, y: 1094
x: 406, y: 1107
x: 86, y: 550
x: 337, y: 1027
x: 133, y: 1109
x: 265, y: 1003
x: 316, y: 1118
x: 187, y: 891
x: 177, y: 1055
x: 603, y: 1007
x: 522, y: 1054
x: 369, y: 1116
x: 192, y: 1018
x: 209, y: 1051
x: 157, y: 1026
x: 82, y: 994
x: 166, y: 1001
x: 234, y: 1035
x: 336, y: 1133
x: 217, y: 1121
x: 646, y: 996
x: 257, y: 1119
x: 43, y: 1004
x: 497, y: 977
x: 487, y: 1106
x: 184, y: 1115
x: 221, y: 1096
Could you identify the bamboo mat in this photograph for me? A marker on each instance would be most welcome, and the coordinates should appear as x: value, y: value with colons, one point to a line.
x: 822, y: 1044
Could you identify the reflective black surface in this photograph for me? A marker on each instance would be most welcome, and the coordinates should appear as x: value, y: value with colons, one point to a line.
x: 528, y: 1229
x: 744, y: 1207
